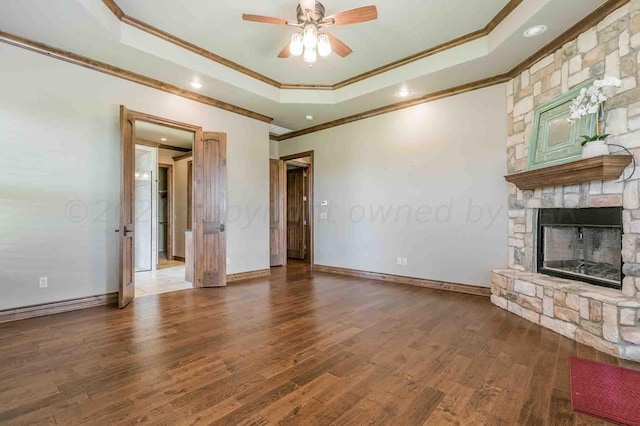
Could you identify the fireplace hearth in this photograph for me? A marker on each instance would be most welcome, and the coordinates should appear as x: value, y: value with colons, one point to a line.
x: 581, y: 244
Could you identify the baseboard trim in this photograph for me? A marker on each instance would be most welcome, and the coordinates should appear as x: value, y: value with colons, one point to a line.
x: 179, y: 258
x: 43, y: 309
x: 233, y: 278
x: 398, y: 279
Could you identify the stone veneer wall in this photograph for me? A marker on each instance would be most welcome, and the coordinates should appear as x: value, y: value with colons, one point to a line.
x: 613, y: 48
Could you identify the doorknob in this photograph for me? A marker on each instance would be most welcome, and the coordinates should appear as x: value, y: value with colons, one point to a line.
x: 221, y: 227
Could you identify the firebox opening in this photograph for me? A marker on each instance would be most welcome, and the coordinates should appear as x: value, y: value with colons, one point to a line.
x: 581, y: 244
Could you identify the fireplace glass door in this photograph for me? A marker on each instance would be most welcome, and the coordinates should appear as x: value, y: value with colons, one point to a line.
x: 581, y: 244
x: 584, y: 251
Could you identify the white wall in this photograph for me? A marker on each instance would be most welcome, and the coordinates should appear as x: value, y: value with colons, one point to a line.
x: 441, y: 163
x: 180, y: 197
x: 146, y: 246
x: 59, y: 186
x: 273, y: 150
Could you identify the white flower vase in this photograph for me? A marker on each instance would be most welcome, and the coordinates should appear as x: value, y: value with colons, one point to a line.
x: 595, y: 149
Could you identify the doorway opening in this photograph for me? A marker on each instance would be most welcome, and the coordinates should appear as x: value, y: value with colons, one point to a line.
x: 172, y: 207
x: 292, y: 209
x: 163, y: 155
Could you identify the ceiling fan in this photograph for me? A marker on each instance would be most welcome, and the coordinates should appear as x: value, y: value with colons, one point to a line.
x: 313, y: 40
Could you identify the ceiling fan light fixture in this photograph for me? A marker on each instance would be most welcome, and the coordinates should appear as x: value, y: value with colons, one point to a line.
x: 297, y: 46
x: 310, y: 36
x: 310, y: 55
x: 324, y: 45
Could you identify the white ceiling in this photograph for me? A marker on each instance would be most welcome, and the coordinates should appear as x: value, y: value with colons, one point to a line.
x: 151, y: 132
x: 88, y: 28
x: 402, y: 29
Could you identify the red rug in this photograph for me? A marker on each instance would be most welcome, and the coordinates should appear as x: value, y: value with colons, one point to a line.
x: 605, y: 391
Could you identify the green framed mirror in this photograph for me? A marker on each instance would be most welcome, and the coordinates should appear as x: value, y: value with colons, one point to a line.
x: 553, y: 139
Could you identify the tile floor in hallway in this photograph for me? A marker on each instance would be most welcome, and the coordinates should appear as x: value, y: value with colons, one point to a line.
x: 161, y: 281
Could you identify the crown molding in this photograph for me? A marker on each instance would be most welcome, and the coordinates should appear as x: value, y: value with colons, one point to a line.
x: 586, y: 23
x: 112, y: 70
x: 136, y: 23
x: 143, y: 26
x: 589, y: 21
x: 491, y: 81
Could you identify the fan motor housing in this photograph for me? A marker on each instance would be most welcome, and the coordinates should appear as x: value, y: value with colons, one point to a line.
x: 317, y: 16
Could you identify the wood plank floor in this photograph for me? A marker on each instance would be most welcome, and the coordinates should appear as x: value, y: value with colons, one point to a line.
x: 295, y: 348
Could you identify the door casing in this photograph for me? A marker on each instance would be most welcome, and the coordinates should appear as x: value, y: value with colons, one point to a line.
x: 310, y: 242
x: 277, y: 215
x: 126, y: 264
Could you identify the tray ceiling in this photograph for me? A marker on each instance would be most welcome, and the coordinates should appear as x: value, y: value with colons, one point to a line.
x: 88, y: 28
x: 402, y: 29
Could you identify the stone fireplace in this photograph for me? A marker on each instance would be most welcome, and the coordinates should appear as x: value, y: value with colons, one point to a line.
x: 579, y: 279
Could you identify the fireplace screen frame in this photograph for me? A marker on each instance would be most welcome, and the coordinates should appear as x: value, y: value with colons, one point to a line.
x: 603, y: 217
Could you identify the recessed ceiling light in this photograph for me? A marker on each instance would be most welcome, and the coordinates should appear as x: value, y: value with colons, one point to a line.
x: 197, y: 84
x: 309, y: 117
x: 536, y: 30
x: 163, y: 139
x: 403, y: 93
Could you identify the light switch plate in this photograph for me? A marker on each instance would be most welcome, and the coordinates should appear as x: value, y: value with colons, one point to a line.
x: 323, y: 216
x: 324, y: 203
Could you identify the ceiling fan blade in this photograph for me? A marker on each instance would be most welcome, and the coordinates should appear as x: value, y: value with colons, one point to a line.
x: 284, y: 53
x: 338, y: 46
x: 265, y: 19
x: 353, y: 16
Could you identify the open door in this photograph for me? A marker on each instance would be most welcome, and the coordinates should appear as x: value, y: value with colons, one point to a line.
x: 295, y: 214
x: 127, y: 210
x: 276, y: 212
x: 209, y: 209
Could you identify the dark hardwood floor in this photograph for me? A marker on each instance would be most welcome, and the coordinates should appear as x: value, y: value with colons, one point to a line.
x: 295, y: 348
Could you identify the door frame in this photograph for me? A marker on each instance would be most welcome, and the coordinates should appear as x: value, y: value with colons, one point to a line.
x: 281, y: 203
x: 169, y: 168
x: 292, y: 159
x: 133, y: 116
x: 190, y: 194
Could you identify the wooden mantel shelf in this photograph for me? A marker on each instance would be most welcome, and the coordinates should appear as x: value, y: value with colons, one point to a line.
x: 606, y: 167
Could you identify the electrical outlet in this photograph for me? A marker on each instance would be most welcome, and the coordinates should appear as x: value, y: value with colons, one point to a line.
x: 404, y: 261
x: 399, y: 260
x: 44, y: 282
x: 323, y: 216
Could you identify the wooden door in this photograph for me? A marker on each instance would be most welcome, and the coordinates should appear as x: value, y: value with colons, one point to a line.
x: 190, y: 194
x: 127, y: 210
x: 306, y: 208
x: 295, y: 214
x: 276, y: 212
x: 165, y: 210
x: 209, y: 208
